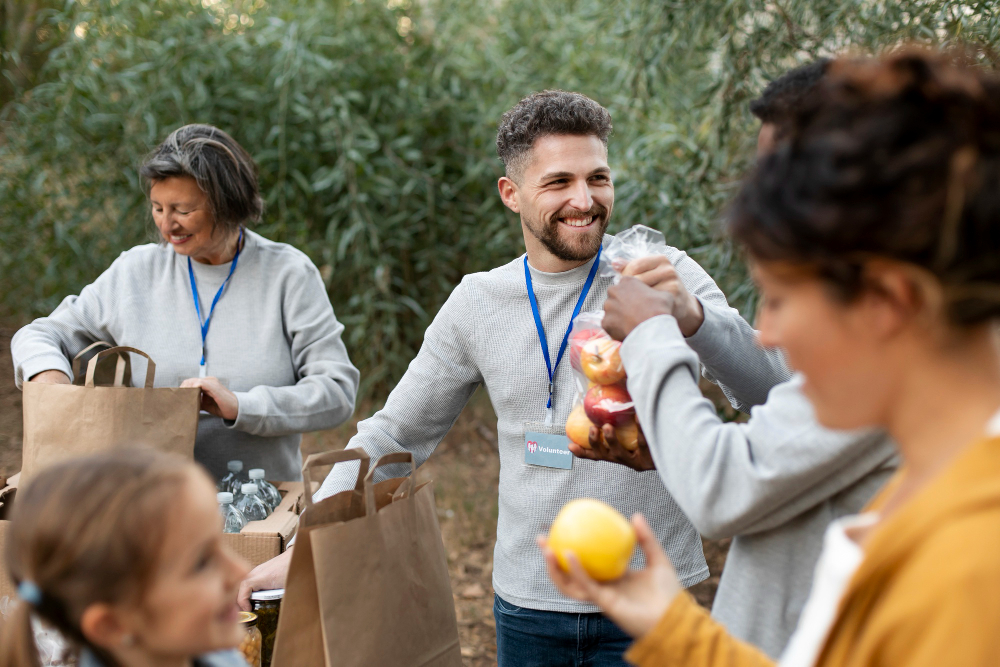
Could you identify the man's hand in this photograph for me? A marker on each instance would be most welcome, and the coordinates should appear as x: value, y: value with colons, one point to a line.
x: 659, y: 273
x: 630, y: 303
x: 654, y: 270
x: 609, y: 449
x: 636, y: 601
x: 50, y: 377
x: 265, y: 577
x: 215, y: 398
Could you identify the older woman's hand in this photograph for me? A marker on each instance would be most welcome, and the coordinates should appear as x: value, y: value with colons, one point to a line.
x: 50, y: 377
x: 215, y: 398
x: 636, y: 601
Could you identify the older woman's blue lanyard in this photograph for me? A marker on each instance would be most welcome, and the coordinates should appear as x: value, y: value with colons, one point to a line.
x: 202, y: 371
x: 541, y: 329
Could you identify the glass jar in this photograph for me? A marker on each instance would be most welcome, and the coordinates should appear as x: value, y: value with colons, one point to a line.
x: 267, y: 606
x: 251, y: 642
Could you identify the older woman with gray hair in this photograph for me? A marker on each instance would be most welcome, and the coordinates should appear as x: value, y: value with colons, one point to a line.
x: 218, y: 307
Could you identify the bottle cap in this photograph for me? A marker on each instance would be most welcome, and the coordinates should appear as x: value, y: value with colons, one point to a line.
x: 256, y: 473
x: 224, y: 497
x: 235, y: 466
x: 273, y: 594
x: 248, y: 489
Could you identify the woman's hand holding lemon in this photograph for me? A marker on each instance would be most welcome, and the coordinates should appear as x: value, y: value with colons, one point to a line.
x: 635, y: 600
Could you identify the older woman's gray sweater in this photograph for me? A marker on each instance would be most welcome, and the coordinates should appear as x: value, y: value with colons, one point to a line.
x: 485, y: 335
x: 274, y: 340
x: 772, y: 484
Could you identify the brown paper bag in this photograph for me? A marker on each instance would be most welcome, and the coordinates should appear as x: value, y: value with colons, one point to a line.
x: 62, y: 421
x: 368, y: 582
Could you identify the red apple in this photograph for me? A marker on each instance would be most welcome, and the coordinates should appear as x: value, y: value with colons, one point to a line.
x: 578, y: 427
x: 577, y: 340
x: 601, y: 362
x: 609, y: 404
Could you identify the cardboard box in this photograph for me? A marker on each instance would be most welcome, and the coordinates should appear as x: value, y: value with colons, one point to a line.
x: 260, y: 541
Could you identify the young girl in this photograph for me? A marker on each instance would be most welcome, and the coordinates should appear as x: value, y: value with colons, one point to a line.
x: 123, y: 554
x: 875, y: 234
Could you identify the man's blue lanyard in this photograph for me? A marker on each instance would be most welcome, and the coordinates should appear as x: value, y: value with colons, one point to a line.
x: 197, y: 302
x: 541, y: 328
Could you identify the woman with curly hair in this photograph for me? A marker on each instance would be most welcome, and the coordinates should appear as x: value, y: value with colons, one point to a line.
x: 874, y: 235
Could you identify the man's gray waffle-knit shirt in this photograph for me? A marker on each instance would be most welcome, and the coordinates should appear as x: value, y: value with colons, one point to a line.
x: 485, y: 334
x: 273, y: 338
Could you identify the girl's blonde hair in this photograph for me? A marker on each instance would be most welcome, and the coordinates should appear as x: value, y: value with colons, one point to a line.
x: 86, y: 531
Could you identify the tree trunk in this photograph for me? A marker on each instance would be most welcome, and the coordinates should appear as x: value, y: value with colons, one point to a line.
x: 23, y: 45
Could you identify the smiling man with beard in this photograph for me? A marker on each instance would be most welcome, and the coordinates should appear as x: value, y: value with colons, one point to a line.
x: 505, y: 329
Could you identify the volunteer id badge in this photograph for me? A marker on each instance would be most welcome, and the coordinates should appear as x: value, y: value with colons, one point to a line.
x: 546, y: 447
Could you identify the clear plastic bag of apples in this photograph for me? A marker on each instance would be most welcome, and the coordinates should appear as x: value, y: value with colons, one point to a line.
x: 601, y: 397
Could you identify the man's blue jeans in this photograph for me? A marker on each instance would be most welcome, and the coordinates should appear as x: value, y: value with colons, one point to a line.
x: 532, y: 638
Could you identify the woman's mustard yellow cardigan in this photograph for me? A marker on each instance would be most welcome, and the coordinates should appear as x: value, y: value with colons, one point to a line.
x: 926, y: 595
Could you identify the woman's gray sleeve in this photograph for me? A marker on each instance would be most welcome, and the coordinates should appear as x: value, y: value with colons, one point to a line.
x: 50, y: 343
x: 324, y: 395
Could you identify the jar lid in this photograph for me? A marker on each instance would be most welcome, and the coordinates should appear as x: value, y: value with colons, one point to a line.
x: 263, y: 596
x: 248, y: 618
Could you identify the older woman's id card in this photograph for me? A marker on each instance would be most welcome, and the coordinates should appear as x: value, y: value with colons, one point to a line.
x: 547, y: 447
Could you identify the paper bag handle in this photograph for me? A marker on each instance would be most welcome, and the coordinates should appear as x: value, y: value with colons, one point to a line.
x: 395, y: 457
x: 120, y: 367
x: 333, y: 458
x: 77, y: 360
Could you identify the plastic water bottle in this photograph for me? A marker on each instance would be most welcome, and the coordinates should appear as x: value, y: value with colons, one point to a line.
x: 267, y: 491
x: 251, y: 504
x: 233, y: 518
x: 234, y: 479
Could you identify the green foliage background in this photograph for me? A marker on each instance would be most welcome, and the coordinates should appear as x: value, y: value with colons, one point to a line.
x: 373, y: 124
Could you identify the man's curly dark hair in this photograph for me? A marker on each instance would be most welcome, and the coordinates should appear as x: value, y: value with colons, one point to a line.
x: 545, y: 113
x: 786, y: 94
x: 895, y: 158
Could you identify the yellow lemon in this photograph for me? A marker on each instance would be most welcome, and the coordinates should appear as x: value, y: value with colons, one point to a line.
x: 601, y: 538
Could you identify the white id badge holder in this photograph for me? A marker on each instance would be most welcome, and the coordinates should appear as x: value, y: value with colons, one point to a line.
x: 546, y: 446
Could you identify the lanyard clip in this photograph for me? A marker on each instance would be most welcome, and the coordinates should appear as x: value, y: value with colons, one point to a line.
x: 548, y: 408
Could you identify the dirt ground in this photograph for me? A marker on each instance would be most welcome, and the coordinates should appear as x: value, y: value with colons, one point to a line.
x: 465, y: 470
x: 10, y: 411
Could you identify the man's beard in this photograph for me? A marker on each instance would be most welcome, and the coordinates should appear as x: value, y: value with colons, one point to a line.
x: 585, y: 246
